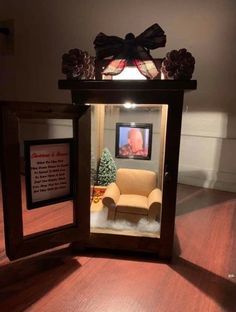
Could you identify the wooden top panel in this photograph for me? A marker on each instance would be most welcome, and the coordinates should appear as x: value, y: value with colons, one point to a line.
x: 43, y: 110
x: 157, y: 85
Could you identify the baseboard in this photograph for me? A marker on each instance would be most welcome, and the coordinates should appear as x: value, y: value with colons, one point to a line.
x: 225, y: 181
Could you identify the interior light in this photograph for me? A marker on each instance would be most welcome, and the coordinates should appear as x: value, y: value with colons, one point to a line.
x: 129, y: 105
x: 129, y: 73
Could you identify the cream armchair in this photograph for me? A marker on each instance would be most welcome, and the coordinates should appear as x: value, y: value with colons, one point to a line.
x: 133, y: 196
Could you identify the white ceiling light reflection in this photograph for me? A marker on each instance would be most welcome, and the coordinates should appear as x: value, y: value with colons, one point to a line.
x: 129, y: 105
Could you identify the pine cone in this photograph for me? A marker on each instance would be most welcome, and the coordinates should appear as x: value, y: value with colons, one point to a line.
x: 78, y: 64
x: 178, y: 65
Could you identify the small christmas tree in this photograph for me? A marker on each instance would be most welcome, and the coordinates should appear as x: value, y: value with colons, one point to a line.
x: 106, y: 169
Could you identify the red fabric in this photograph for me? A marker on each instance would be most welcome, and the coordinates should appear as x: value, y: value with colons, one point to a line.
x: 115, y: 67
x: 147, y: 68
x: 135, y: 49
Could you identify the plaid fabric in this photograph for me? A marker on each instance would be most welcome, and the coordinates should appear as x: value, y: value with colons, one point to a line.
x: 146, y: 68
x: 132, y: 49
x: 115, y: 67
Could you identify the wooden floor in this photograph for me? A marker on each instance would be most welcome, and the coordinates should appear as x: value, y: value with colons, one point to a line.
x: 201, y: 277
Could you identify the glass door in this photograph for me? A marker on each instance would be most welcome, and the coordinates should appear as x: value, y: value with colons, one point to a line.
x: 45, y: 186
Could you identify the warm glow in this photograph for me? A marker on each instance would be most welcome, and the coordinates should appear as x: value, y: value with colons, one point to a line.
x: 129, y: 105
x: 129, y: 73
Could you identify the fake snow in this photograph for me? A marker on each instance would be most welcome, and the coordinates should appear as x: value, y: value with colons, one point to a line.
x: 99, y: 220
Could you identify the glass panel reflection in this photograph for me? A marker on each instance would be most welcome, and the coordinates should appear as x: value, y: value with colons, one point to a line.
x: 130, y: 139
x: 55, y: 215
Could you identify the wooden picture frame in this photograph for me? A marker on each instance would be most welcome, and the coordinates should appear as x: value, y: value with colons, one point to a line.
x: 133, y: 140
x: 48, y: 171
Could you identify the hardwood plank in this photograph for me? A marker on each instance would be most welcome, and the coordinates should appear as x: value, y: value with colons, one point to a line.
x: 198, y: 279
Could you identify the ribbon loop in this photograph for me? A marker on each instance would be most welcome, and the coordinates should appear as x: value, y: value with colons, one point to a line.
x: 131, y: 48
x: 129, y: 36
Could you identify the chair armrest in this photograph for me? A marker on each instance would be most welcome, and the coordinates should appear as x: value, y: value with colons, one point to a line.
x: 111, y: 195
x: 154, y: 204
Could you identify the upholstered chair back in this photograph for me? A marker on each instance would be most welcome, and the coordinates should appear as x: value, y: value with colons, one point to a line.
x: 136, y: 181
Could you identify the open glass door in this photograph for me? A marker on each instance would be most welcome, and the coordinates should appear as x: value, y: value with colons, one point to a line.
x: 46, y: 200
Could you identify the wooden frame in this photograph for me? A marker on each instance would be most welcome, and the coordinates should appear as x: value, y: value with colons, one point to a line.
x: 166, y: 92
x: 170, y: 93
x: 18, y: 245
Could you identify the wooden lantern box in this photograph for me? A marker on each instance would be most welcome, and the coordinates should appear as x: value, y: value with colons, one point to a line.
x: 87, y: 96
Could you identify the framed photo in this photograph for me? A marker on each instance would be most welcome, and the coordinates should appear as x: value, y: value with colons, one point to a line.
x: 48, y: 171
x: 133, y: 140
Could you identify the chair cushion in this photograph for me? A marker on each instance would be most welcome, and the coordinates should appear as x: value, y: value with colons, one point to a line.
x: 135, y: 181
x: 131, y: 203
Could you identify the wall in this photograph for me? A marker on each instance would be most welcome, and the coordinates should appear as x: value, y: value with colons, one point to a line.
x: 44, y: 30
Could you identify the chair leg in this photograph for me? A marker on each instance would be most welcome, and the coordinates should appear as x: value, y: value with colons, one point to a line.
x: 111, y: 214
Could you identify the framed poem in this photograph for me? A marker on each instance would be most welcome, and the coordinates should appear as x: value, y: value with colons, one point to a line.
x: 48, y: 171
x: 133, y: 140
